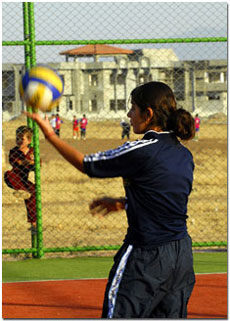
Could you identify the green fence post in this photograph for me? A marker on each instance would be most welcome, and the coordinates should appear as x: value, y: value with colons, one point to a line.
x: 27, y: 49
x: 39, y: 245
x: 26, y: 21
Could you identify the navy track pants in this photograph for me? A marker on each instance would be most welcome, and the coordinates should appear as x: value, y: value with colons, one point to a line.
x: 150, y: 283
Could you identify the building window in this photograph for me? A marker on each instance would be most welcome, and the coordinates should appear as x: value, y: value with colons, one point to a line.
x: 112, y: 105
x: 112, y: 79
x: 93, y: 80
x: 8, y: 85
x: 213, y: 96
x: 93, y: 105
x: 179, y: 83
x: 121, y: 79
x: 199, y: 93
x: 121, y: 104
x: 70, y: 105
x: 214, y: 77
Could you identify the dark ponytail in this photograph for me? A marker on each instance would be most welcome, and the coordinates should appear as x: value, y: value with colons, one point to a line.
x: 182, y: 123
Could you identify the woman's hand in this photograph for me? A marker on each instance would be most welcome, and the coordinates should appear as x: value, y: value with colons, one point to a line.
x: 105, y: 205
x: 43, y: 123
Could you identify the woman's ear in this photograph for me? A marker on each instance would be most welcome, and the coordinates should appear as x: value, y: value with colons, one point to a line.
x: 149, y: 114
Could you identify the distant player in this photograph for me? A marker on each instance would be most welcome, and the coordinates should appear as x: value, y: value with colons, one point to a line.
x: 83, y: 125
x: 53, y: 122
x: 59, y: 121
x: 75, y: 128
x: 152, y: 275
x: 197, y: 127
x: 125, y: 129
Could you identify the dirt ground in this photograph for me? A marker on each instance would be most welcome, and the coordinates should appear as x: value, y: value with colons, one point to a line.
x: 66, y: 193
x: 84, y: 299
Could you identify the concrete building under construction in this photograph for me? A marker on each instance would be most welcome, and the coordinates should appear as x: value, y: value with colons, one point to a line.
x: 99, y: 78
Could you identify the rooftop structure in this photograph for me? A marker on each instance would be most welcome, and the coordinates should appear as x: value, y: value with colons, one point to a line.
x: 95, y: 51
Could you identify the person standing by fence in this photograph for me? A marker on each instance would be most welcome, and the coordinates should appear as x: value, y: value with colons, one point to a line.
x: 21, y: 157
x: 152, y: 275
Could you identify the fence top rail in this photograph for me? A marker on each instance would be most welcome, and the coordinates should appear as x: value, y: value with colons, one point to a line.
x: 113, y: 41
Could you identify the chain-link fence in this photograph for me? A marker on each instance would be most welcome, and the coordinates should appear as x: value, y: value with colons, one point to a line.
x: 103, y: 51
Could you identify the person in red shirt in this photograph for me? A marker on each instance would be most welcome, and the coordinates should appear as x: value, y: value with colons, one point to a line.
x: 21, y: 158
x: 58, y: 125
x: 75, y: 128
x: 83, y: 124
x: 197, y: 126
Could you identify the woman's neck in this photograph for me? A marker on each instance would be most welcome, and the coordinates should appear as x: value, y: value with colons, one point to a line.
x: 156, y: 129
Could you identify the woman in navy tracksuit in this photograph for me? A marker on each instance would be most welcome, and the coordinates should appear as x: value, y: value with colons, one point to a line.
x: 152, y: 275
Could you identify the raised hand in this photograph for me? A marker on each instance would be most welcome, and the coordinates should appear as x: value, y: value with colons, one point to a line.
x: 43, y: 123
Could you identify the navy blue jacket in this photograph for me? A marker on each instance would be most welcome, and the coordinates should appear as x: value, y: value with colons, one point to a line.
x: 158, y: 173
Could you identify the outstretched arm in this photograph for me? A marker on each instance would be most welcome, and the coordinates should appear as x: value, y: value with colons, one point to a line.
x: 72, y: 155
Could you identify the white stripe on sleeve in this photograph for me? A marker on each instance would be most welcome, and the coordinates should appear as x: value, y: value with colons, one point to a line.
x: 113, y: 153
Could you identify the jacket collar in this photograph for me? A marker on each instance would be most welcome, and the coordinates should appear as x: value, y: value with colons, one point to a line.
x: 152, y: 133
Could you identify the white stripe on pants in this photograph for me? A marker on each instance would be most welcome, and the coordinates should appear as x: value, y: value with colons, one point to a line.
x: 116, y: 282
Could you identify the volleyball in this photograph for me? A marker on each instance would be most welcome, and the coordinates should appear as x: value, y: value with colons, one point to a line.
x: 41, y: 87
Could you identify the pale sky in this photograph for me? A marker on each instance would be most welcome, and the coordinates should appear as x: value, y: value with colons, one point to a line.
x: 118, y: 20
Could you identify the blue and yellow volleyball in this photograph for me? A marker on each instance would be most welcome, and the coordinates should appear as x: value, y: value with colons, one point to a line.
x: 41, y: 87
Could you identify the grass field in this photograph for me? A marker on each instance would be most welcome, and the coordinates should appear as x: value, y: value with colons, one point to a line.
x: 91, y: 267
x: 66, y: 193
